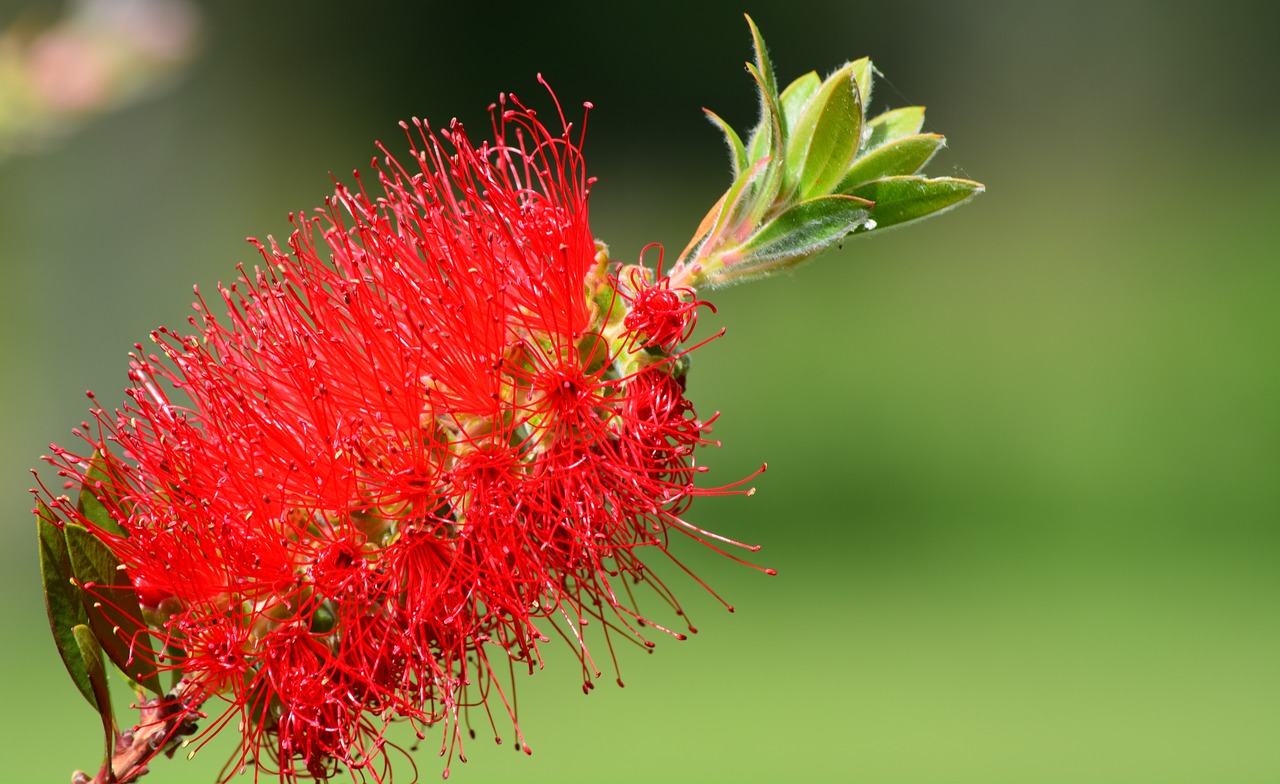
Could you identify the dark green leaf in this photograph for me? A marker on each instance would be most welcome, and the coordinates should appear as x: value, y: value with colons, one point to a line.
x: 97, y: 484
x: 112, y: 606
x: 174, y: 654
x: 826, y: 135
x: 893, y: 125
x: 91, y: 657
x: 737, y: 152
x: 905, y: 156
x: 899, y: 200
x: 61, y: 598
x: 801, y: 231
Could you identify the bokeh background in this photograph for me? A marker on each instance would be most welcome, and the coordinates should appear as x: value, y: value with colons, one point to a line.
x: 1024, y: 459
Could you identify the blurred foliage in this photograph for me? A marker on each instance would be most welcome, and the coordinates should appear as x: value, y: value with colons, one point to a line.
x: 1022, y: 458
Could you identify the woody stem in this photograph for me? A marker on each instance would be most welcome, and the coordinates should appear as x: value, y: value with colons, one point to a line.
x: 163, y: 722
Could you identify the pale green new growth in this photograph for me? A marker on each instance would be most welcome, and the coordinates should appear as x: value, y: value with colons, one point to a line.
x: 813, y: 171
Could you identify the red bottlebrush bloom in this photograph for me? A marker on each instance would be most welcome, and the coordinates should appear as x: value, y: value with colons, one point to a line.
x: 437, y: 428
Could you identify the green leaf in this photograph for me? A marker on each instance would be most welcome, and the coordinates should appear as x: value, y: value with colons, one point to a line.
x: 826, y: 136
x: 905, y: 156
x: 761, y: 143
x: 862, y: 69
x: 900, y: 200
x: 737, y: 152
x: 733, y: 198
x: 91, y: 657
x: 712, y: 230
x: 893, y: 125
x: 61, y: 598
x: 769, y: 83
x: 703, y: 232
x: 792, y: 100
x: 112, y: 606
x: 97, y: 484
x: 762, y: 190
x: 767, y: 138
x: 174, y: 654
x: 801, y: 231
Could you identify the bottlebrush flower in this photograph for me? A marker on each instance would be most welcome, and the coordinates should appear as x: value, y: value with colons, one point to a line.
x: 435, y: 428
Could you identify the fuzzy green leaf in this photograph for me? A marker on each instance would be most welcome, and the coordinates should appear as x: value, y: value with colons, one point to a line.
x: 761, y: 192
x: 900, y: 200
x: 731, y: 204
x: 97, y: 483
x: 737, y: 152
x: 862, y: 69
x: 769, y: 82
x: 801, y: 231
x: 893, y: 125
x: 762, y: 143
x: 61, y: 598
x: 112, y: 606
x: 826, y: 135
x: 905, y: 156
x: 793, y: 99
x: 767, y: 139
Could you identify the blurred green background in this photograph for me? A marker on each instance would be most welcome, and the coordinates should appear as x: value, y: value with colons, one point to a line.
x: 1024, y: 459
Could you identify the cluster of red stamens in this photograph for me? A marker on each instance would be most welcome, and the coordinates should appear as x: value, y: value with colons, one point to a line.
x: 436, y: 429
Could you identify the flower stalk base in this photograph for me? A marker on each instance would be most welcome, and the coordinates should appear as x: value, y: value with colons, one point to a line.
x: 162, y: 728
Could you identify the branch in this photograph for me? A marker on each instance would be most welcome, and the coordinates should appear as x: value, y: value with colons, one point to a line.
x: 163, y: 722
